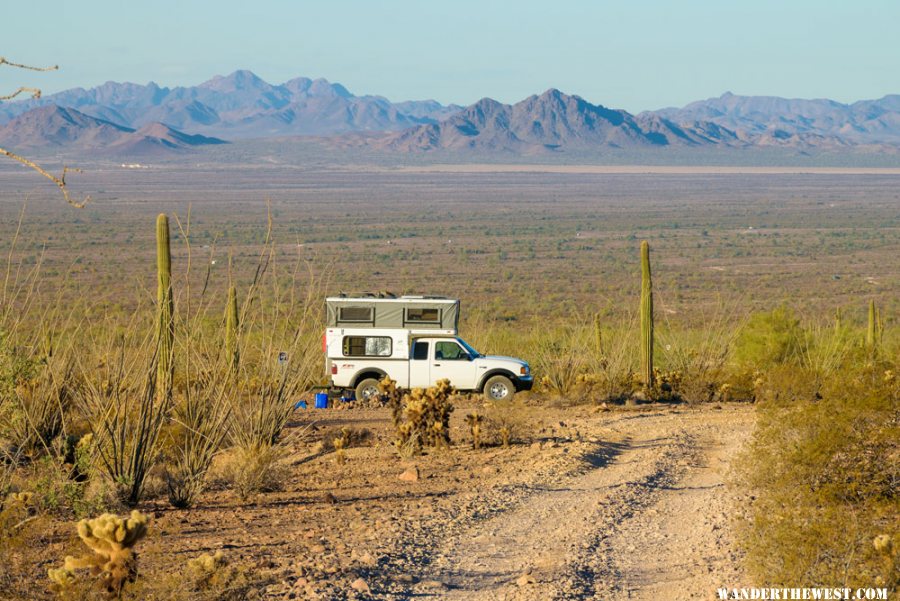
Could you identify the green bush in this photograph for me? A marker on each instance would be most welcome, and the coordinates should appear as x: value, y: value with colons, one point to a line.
x: 824, y: 471
x: 770, y: 338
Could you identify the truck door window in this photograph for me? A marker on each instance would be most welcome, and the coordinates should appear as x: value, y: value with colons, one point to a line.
x: 367, y: 346
x: 449, y: 351
x: 420, y: 351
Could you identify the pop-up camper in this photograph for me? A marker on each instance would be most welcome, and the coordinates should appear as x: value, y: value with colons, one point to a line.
x: 413, y: 340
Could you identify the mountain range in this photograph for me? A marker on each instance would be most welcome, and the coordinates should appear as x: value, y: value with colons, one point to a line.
x: 770, y: 119
x: 549, y: 122
x: 52, y: 126
x: 241, y: 105
x: 135, y: 119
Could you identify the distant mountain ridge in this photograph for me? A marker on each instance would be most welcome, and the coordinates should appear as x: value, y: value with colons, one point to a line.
x: 56, y: 127
x: 241, y: 105
x: 767, y: 119
x: 548, y: 122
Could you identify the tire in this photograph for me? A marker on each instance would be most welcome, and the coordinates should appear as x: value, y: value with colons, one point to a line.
x: 366, y: 389
x: 499, y: 388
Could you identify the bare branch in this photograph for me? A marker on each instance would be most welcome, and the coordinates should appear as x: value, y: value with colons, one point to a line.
x: 3, y: 61
x: 59, y: 181
x: 35, y: 93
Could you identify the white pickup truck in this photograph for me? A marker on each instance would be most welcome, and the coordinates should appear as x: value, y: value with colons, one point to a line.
x: 413, y: 340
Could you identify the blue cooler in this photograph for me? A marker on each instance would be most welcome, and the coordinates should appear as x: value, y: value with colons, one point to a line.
x: 321, y: 400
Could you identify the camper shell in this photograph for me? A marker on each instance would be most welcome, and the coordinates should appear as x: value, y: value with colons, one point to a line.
x: 414, y: 341
x: 426, y: 314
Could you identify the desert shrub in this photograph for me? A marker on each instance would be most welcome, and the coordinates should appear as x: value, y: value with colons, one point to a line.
x: 253, y: 469
x: 770, y: 338
x: 611, y: 364
x: 560, y: 356
x: 785, y: 384
x: 208, y: 577
x: 350, y: 437
x: 201, y: 424
x: 22, y: 534
x: 825, y: 472
x: 119, y: 401
x: 507, y: 422
x: 16, y: 367
x: 423, y: 418
x: 667, y: 385
x: 40, y: 404
x: 58, y: 493
x: 825, y: 351
x: 259, y: 412
x: 702, y: 356
x: 214, y: 577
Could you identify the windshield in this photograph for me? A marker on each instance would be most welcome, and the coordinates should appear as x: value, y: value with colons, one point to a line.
x: 469, y: 348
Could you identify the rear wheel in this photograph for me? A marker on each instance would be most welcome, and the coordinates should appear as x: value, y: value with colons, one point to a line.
x: 499, y: 388
x: 367, y: 389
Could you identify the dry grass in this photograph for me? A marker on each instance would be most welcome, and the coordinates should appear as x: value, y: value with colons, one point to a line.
x: 825, y: 475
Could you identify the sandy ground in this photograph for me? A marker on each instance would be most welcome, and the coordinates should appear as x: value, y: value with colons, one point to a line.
x: 647, y: 519
x: 628, y: 503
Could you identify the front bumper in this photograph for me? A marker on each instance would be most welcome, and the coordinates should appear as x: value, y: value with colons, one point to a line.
x: 524, y: 383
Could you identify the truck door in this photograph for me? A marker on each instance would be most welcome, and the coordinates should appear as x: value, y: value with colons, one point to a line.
x: 451, y: 361
x: 419, y: 364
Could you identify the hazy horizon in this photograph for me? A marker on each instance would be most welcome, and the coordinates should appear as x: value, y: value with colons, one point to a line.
x: 634, y: 56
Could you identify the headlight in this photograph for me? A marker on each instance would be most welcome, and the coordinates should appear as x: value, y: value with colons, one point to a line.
x: 523, y: 370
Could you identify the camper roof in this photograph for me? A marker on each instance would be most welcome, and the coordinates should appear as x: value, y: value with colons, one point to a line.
x: 418, y: 312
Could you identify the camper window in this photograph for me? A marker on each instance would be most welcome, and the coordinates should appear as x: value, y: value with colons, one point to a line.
x: 423, y: 315
x: 367, y: 346
x: 356, y: 314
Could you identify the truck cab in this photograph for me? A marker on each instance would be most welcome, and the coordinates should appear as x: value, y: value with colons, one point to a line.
x: 415, y: 354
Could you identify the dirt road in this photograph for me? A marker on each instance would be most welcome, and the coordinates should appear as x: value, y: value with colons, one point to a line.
x: 587, y: 504
x: 646, y: 519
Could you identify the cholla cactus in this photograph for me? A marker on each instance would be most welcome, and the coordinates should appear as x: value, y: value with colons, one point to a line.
x: 885, y: 547
x: 390, y: 394
x: 206, y: 563
x: 340, y: 443
x: 883, y: 544
x: 504, y: 436
x: 203, y: 569
x: 114, y: 561
x: 474, y: 420
x: 424, y: 418
x: 19, y: 499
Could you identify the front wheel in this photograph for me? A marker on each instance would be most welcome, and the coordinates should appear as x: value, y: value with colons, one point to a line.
x: 499, y: 388
x: 367, y: 389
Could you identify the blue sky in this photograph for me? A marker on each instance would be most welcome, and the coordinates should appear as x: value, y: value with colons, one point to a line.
x: 635, y: 55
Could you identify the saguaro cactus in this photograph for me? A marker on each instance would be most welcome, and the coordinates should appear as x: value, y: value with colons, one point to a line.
x: 872, y: 331
x: 646, y: 317
x: 231, y: 328
x: 598, y: 335
x: 165, y: 307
